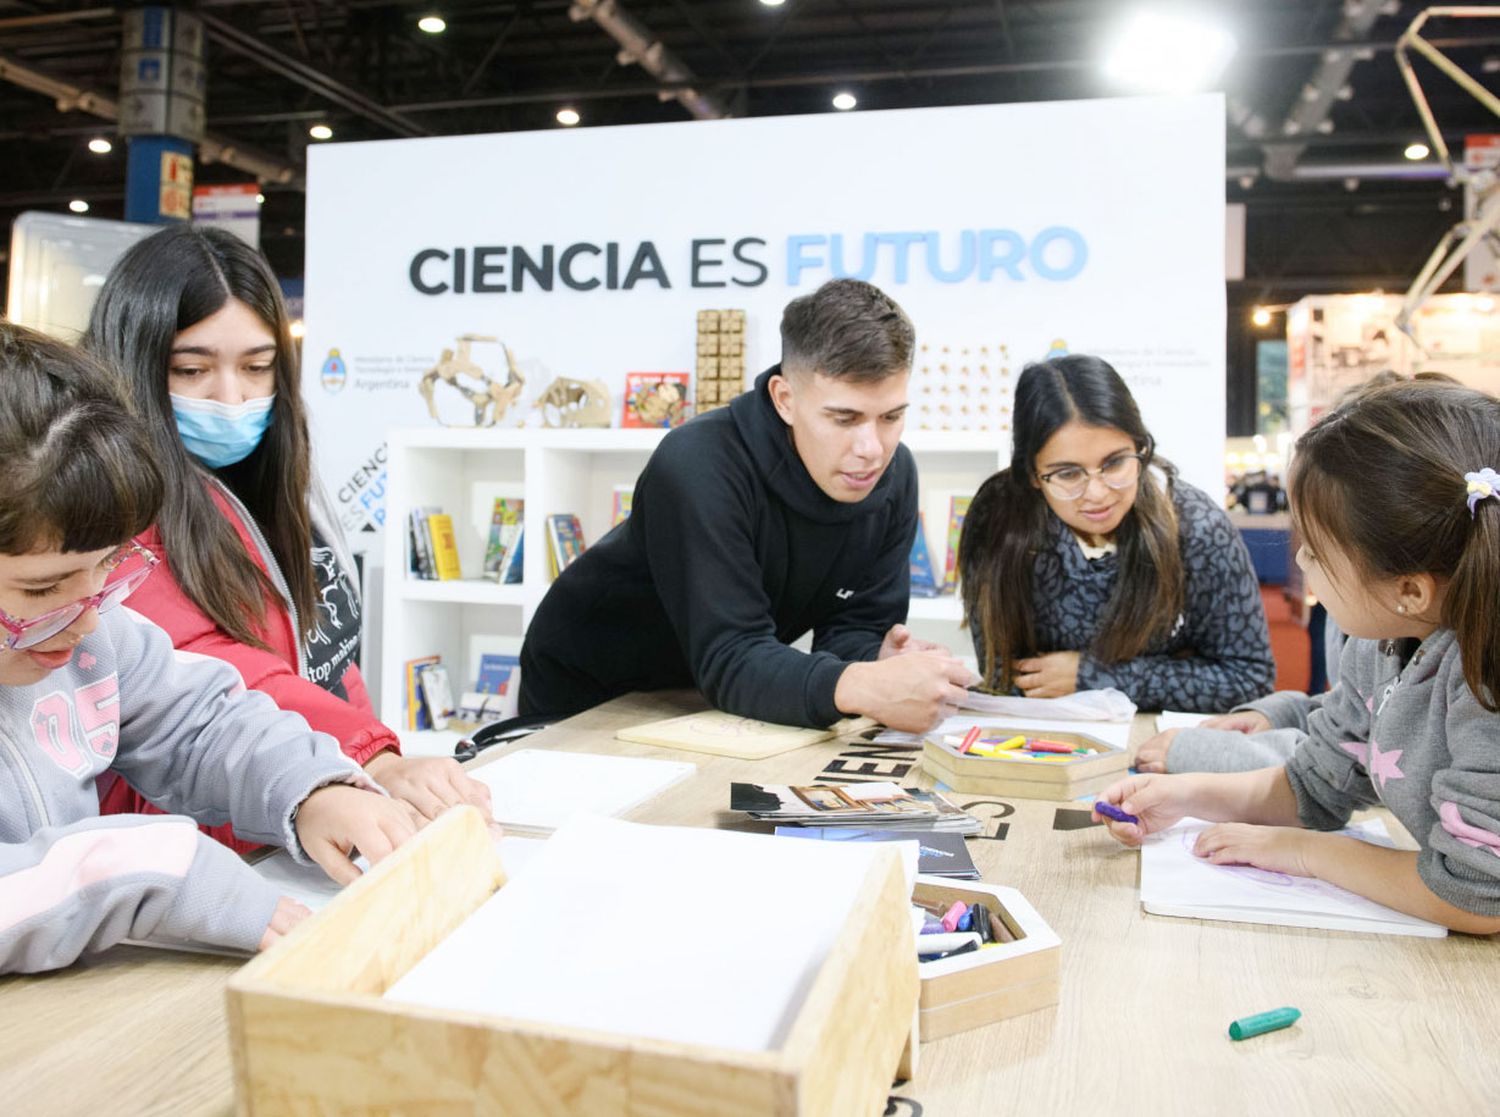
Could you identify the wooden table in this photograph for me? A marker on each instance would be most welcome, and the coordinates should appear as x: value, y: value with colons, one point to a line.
x: 1390, y: 1025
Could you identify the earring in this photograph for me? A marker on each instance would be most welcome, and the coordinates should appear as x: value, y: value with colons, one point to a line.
x: 1400, y: 608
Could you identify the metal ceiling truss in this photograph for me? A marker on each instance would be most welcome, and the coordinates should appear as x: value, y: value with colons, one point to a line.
x: 1458, y: 242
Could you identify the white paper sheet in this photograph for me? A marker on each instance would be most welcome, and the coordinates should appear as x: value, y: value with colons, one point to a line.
x: 1177, y: 719
x: 1176, y: 882
x: 1083, y: 705
x: 310, y: 885
x: 698, y: 936
x: 540, y: 789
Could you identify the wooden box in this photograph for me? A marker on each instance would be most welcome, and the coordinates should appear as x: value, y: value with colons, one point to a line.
x: 994, y: 982
x: 1023, y: 779
x: 311, y: 1033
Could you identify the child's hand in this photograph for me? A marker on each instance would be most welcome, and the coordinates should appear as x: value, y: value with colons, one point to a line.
x: 337, y: 819
x: 1246, y: 721
x: 1277, y: 849
x: 287, y: 915
x: 1158, y: 801
x: 1152, y: 755
x: 431, y: 784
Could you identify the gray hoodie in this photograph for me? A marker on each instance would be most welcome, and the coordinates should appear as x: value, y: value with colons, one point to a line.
x: 1227, y: 750
x: 1412, y: 737
x: 184, y: 731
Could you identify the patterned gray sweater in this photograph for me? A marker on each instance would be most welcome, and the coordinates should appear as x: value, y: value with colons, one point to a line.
x: 1219, y: 653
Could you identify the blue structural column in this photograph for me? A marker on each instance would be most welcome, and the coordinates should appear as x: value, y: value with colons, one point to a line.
x: 151, y: 172
x: 162, y: 92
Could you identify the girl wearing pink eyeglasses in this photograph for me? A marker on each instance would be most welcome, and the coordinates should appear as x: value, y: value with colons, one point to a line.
x: 88, y: 687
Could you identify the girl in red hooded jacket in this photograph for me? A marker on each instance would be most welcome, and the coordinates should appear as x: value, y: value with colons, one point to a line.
x: 255, y: 570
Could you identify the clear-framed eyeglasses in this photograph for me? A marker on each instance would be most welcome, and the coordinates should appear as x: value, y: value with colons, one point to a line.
x: 21, y: 635
x: 1121, y: 471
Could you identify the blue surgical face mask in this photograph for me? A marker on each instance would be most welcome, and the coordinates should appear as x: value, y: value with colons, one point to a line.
x: 220, y: 434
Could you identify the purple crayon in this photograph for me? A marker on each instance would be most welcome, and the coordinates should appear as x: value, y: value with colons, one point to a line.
x: 1109, y: 810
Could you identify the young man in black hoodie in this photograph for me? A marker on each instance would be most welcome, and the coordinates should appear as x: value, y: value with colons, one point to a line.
x: 793, y: 508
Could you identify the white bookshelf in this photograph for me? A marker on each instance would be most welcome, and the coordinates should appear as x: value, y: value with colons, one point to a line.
x: 462, y: 471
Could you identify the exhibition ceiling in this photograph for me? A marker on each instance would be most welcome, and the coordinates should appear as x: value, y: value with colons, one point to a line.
x: 1319, y: 117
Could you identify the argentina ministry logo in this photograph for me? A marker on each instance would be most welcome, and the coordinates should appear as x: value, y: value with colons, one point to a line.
x: 334, y: 374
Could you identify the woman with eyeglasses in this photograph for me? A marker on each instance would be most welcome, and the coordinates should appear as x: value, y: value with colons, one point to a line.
x: 1090, y: 564
x: 254, y: 569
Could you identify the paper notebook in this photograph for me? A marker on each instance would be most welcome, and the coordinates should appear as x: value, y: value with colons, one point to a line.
x: 707, y: 937
x: 721, y: 734
x: 1174, y: 881
x: 540, y: 789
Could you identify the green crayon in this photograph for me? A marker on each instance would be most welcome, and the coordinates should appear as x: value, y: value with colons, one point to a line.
x: 1261, y: 1022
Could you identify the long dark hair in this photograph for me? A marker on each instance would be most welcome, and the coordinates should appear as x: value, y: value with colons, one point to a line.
x: 1381, y: 480
x: 1009, y: 522
x: 160, y: 287
x: 79, y: 473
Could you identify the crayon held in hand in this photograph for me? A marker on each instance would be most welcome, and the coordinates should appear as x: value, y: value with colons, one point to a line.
x: 1109, y: 810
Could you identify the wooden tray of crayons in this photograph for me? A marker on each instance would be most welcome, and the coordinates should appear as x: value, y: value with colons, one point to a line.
x: 998, y: 760
x: 1014, y: 970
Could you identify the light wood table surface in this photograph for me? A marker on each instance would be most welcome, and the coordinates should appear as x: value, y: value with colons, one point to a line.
x: 1390, y: 1025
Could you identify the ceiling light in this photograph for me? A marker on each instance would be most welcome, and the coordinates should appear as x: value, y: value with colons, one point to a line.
x: 844, y: 101
x: 773, y: 3
x: 433, y: 25
x: 78, y: 205
x: 568, y: 117
x: 320, y: 132
x: 1163, y: 52
x: 1417, y: 150
x: 297, y: 328
x: 1261, y: 317
x: 260, y: 199
x: 100, y: 146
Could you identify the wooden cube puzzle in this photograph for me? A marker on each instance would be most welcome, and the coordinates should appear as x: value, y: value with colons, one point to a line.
x: 721, y: 357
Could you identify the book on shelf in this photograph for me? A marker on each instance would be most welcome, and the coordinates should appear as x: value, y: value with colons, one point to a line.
x: 958, y: 508
x: 923, y: 580
x: 515, y: 560
x: 655, y: 399
x: 420, y: 535
x: 445, y: 563
x: 620, y: 507
x: 564, y: 541
x: 506, y: 521
x: 496, y: 672
x: 416, y: 713
x: 437, y: 694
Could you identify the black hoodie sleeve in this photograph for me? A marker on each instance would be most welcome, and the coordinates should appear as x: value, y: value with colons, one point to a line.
x: 883, y: 600
x: 698, y: 513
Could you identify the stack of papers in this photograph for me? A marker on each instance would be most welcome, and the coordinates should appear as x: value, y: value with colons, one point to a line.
x: 869, y: 805
x: 540, y: 789
x: 939, y: 853
x: 592, y: 935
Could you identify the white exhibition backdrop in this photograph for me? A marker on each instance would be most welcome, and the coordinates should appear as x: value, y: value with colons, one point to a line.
x: 1095, y: 226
